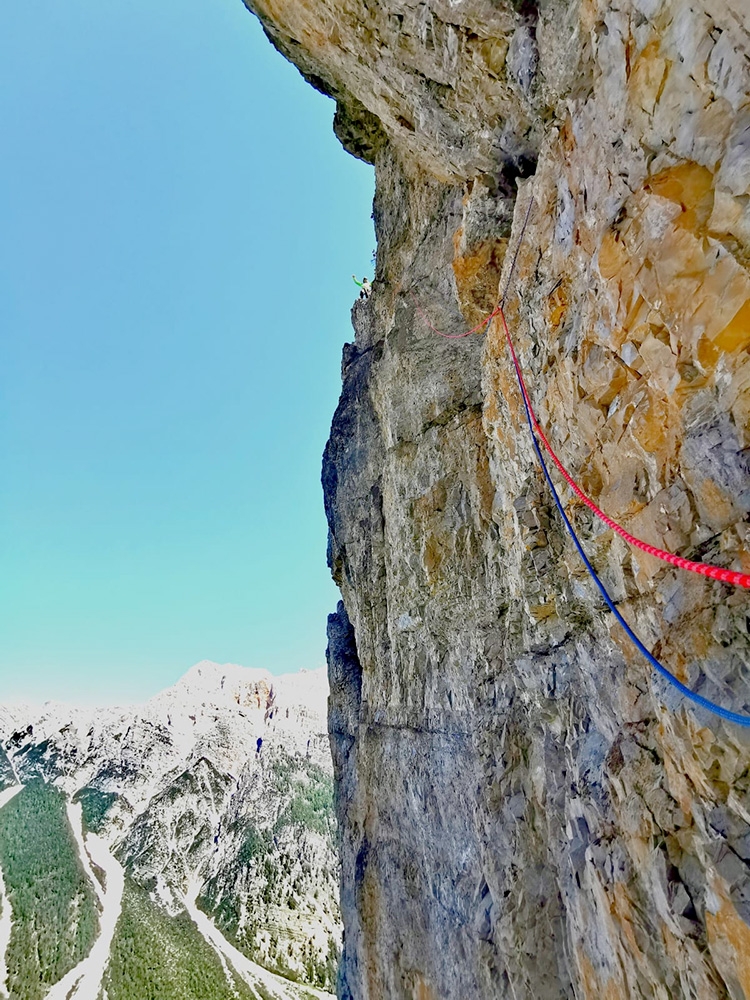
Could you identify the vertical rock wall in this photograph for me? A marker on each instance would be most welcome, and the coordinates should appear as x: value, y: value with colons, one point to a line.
x: 526, y: 810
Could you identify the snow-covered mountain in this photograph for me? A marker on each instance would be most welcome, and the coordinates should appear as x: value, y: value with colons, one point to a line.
x: 214, y: 799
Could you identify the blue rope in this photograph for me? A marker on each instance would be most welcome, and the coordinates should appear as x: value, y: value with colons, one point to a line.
x: 736, y: 717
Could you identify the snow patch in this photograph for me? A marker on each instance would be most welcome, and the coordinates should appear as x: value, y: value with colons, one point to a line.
x: 75, y: 818
x: 6, y: 926
x: 8, y: 794
x: 84, y: 981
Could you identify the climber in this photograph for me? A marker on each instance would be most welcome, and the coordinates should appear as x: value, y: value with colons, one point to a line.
x: 364, y: 287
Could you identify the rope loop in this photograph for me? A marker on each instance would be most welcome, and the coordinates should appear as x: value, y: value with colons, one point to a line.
x: 736, y: 717
x: 537, y: 434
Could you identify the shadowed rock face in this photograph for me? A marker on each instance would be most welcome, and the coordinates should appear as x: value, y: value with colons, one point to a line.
x: 526, y: 810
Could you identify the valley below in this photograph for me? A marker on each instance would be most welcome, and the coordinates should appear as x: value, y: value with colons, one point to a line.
x: 182, y: 849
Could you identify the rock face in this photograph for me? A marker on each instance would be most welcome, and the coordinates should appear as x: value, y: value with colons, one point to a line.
x: 526, y: 809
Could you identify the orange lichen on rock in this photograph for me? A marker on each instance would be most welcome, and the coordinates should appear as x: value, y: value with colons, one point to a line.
x: 717, y: 507
x: 647, y: 75
x: 477, y: 272
x: 691, y: 186
x: 593, y: 988
x: 613, y: 256
x: 729, y: 944
x: 736, y: 334
x: 557, y: 306
x: 422, y: 991
x: 677, y: 781
x: 625, y: 917
x: 664, y: 257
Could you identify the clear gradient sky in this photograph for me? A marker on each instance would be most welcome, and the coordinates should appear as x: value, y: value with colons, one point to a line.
x: 178, y: 229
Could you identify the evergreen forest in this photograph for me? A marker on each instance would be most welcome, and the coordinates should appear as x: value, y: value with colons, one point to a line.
x: 158, y: 957
x: 55, y: 915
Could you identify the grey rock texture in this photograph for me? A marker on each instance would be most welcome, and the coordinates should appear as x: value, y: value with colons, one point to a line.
x: 526, y: 810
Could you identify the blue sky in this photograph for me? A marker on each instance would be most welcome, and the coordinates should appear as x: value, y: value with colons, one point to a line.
x: 179, y: 228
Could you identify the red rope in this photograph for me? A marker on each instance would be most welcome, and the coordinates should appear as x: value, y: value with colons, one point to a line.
x: 705, y: 569
x: 453, y: 336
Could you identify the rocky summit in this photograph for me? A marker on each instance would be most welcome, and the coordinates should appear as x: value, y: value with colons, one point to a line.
x: 181, y: 849
x: 527, y: 809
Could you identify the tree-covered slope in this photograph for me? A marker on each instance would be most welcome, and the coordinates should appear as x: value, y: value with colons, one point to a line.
x: 155, y: 956
x: 273, y: 896
x: 219, y: 788
x: 55, y: 918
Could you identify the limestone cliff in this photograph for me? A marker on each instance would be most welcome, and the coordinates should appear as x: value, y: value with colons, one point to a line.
x: 526, y: 809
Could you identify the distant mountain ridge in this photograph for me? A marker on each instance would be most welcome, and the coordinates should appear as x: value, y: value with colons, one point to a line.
x: 215, y: 798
